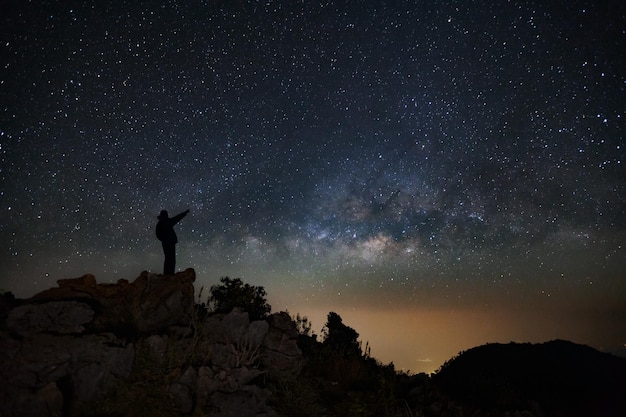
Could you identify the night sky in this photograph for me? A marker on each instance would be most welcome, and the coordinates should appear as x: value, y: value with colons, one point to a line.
x: 441, y: 174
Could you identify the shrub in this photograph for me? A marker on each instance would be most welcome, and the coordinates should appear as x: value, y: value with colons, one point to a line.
x: 340, y: 337
x: 233, y: 293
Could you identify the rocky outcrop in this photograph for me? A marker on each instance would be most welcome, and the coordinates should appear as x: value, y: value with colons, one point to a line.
x: 89, y: 346
x: 46, y: 374
x: 225, y: 356
x: 282, y: 354
x: 149, y: 304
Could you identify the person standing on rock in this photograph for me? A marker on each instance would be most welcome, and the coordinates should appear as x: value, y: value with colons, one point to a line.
x: 165, y: 233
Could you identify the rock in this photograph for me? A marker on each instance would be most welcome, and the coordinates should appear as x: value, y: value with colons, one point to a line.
x: 226, y: 328
x: 81, y: 368
x: 157, y: 344
x: 282, y: 357
x: 61, y: 317
x: 237, y: 378
x: 45, y: 401
x: 257, y: 332
x: 182, y: 396
x: 223, y: 356
x: 435, y: 408
x: 184, y: 389
x: 189, y: 378
x: 164, y: 301
x: 247, y: 402
x: 82, y: 282
x: 63, y: 350
x: 206, y: 385
x: 283, y: 323
x: 150, y: 304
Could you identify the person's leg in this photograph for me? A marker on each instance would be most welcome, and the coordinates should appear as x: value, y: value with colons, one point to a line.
x: 169, y: 265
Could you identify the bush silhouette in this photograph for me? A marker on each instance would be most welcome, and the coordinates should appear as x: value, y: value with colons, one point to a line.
x: 233, y: 293
x: 340, y: 337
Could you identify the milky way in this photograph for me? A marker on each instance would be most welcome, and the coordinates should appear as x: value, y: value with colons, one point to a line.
x: 349, y: 156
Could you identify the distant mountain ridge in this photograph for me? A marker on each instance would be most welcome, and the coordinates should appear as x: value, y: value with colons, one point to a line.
x: 561, y: 377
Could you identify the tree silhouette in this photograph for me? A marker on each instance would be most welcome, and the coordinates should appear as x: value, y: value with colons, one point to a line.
x: 341, y: 337
x: 233, y: 293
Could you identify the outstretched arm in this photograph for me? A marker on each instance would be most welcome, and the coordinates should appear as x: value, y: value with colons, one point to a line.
x: 179, y: 217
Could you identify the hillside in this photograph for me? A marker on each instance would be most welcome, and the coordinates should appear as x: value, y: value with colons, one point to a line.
x: 561, y: 377
x: 148, y: 347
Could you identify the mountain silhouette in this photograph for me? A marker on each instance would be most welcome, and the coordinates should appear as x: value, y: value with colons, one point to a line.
x: 558, y: 377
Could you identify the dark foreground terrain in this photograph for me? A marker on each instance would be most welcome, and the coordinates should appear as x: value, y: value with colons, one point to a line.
x: 148, y: 347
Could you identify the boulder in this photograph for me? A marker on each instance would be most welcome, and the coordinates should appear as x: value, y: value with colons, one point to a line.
x: 281, y: 355
x: 87, y: 280
x: 246, y: 402
x: 226, y: 328
x: 183, y: 390
x: 150, y: 304
x: 206, y: 385
x: 61, y: 317
x: 41, y: 368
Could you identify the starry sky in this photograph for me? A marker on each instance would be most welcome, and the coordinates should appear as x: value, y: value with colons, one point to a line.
x: 441, y: 174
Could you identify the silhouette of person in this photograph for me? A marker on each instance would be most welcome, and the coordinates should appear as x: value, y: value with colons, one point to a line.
x: 165, y: 233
